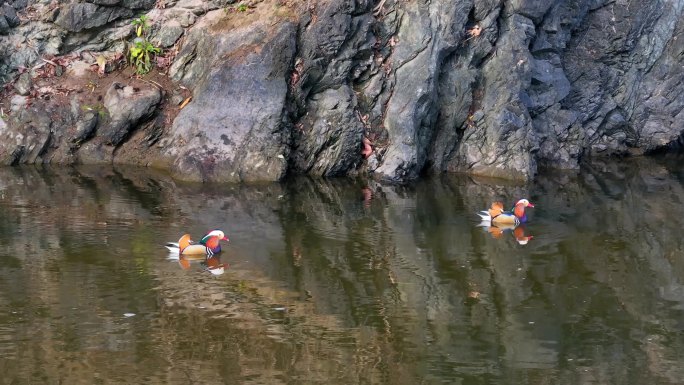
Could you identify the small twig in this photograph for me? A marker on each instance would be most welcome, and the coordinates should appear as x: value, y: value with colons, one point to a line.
x: 153, y: 82
x: 378, y: 9
x: 37, y: 66
x: 49, y: 61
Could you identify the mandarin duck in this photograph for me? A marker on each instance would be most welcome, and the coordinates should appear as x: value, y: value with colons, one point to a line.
x: 497, y: 215
x: 209, y: 245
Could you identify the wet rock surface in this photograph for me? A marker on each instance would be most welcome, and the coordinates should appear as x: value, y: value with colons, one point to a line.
x: 278, y: 87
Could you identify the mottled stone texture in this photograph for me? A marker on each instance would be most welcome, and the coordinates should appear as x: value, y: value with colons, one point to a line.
x: 497, y: 88
x: 234, y: 129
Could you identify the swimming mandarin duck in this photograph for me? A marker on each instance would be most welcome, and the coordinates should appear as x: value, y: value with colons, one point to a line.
x: 210, y: 244
x: 497, y: 215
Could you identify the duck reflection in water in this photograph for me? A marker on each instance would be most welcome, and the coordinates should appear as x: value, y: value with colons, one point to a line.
x: 214, y: 265
x: 498, y: 231
x: 211, y: 264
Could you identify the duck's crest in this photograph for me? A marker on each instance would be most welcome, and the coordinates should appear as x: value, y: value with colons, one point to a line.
x: 184, y: 242
x: 496, y: 209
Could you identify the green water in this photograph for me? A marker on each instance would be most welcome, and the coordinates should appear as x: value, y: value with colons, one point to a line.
x: 342, y: 282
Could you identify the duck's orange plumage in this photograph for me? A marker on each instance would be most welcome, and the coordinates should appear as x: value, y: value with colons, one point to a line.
x: 186, y: 247
x: 213, y: 242
x: 519, y: 210
x: 496, y: 209
x: 184, y: 242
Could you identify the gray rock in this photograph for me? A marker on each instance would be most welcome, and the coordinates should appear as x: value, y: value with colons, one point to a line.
x: 85, y: 127
x: 478, y: 116
x: 548, y: 86
x: 24, y: 84
x: 76, y: 17
x: 327, y: 141
x: 176, y: 99
x: 130, y: 4
x: 36, y: 133
x: 532, y: 9
x: 411, y: 114
x: 44, y: 39
x: 19, y: 4
x: 4, y: 25
x: 520, y: 118
x: 199, y: 49
x: 18, y: 102
x: 31, y: 142
x: 10, y: 15
x: 198, y: 7
x: 487, y: 87
x: 127, y: 107
x: 561, y: 138
x: 235, y: 133
x: 112, y: 39
x: 168, y: 34
x: 105, y: 2
x: 185, y: 17
x: 138, y: 4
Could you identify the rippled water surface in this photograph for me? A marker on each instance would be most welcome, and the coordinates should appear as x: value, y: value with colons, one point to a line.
x: 342, y: 282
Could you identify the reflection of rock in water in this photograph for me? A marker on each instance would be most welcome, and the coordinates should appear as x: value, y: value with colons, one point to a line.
x: 600, y: 232
x: 324, y: 285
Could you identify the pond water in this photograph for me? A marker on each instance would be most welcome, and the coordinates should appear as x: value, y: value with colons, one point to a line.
x: 342, y: 282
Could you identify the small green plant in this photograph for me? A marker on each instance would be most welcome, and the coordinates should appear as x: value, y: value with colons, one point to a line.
x: 141, y: 50
x: 242, y: 7
x: 141, y: 26
x: 99, y: 109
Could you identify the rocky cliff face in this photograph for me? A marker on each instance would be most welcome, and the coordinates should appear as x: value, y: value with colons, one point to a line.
x: 279, y: 87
